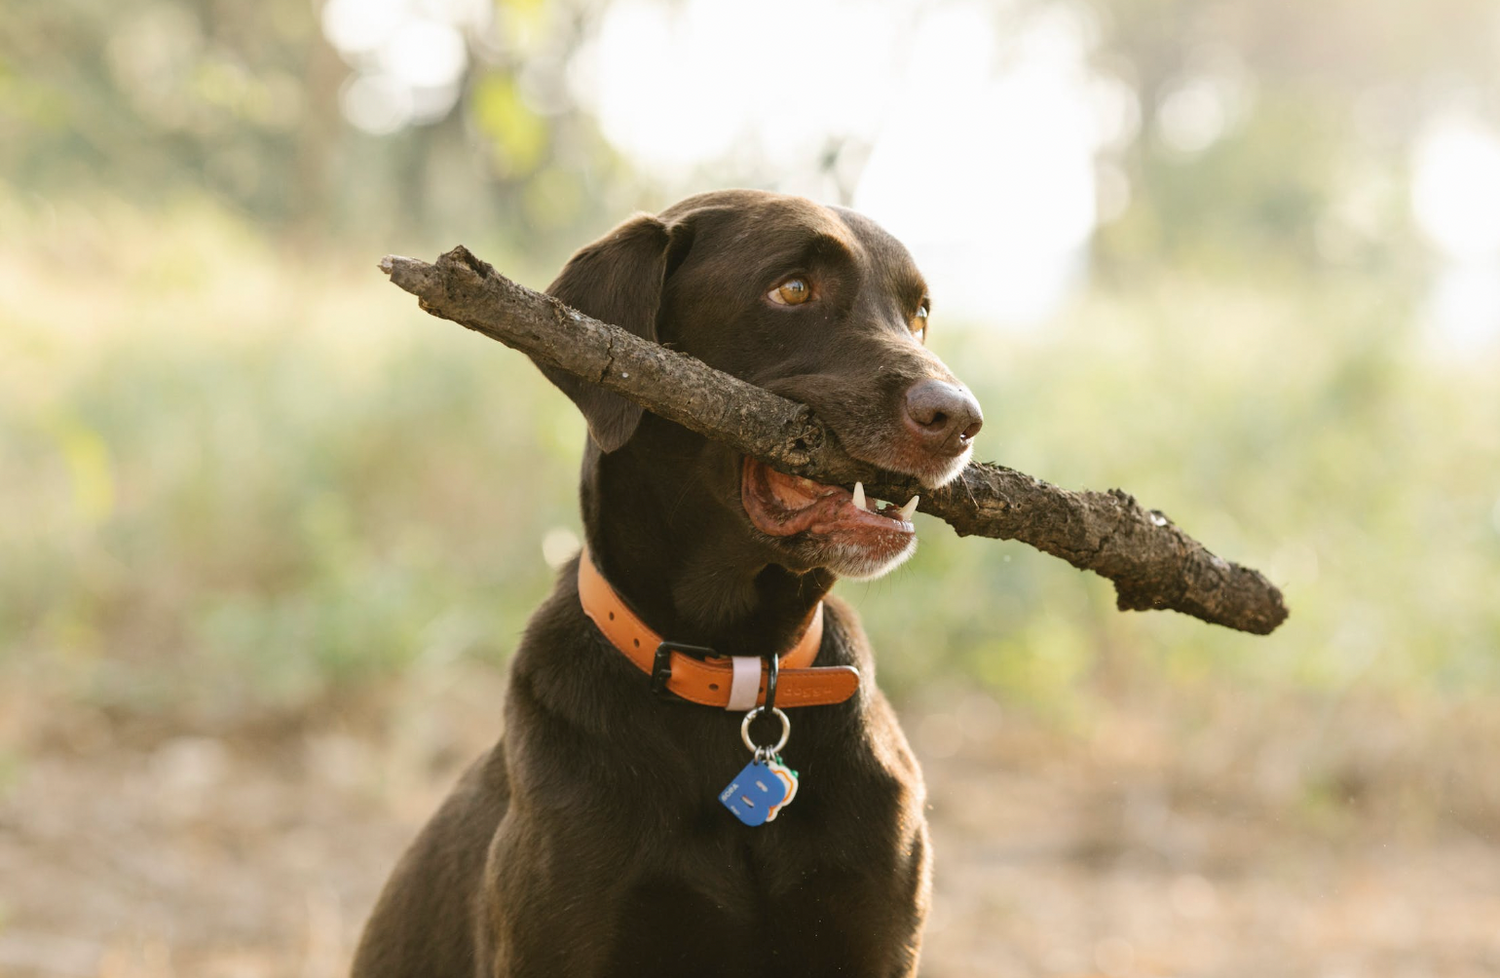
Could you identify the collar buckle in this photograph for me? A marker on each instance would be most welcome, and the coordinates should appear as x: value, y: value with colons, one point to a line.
x: 661, y: 665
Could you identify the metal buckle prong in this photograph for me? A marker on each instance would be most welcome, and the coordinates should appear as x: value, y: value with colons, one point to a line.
x: 661, y: 665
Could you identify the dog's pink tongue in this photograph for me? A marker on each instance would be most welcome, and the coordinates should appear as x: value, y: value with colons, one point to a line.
x: 795, y: 492
x: 781, y: 504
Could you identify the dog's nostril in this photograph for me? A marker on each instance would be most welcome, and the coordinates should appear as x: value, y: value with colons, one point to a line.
x: 942, y: 415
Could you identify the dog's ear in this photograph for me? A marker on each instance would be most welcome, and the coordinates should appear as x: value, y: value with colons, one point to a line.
x: 617, y: 279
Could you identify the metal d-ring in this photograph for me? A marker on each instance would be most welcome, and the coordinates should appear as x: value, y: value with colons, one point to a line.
x: 773, y: 671
x: 786, y: 731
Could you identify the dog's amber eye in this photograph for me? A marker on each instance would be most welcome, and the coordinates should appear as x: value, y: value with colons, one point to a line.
x: 919, y: 325
x: 792, y: 292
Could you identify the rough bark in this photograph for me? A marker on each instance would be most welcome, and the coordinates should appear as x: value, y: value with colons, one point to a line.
x: 1153, y: 564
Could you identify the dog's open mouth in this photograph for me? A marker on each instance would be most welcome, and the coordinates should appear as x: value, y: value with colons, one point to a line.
x: 783, y: 505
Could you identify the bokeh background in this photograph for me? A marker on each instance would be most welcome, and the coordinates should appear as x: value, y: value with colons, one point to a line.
x: 268, y: 533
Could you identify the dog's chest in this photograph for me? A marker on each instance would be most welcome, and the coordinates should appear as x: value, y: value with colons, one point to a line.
x: 789, y: 901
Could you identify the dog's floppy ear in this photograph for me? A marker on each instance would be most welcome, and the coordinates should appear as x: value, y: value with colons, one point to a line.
x: 617, y: 279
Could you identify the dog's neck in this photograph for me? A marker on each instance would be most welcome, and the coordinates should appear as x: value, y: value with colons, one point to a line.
x: 686, y: 562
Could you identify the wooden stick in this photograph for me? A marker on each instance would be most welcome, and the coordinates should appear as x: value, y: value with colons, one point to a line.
x: 1153, y: 564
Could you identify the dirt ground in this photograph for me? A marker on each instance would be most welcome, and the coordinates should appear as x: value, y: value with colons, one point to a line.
x: 128, y: 852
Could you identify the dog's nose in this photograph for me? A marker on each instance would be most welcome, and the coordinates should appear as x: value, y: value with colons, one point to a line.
x: 943, y: 416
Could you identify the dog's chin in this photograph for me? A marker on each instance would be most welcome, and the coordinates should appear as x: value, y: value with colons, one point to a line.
x: 814, y: 525
x: 946, y: 471
x: 862, y: 565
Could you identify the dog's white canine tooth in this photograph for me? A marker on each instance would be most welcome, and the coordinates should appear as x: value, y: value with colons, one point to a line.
x: 859, y: 495
x: 910, y: 508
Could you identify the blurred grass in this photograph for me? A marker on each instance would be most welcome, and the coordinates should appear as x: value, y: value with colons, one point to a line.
x: 238, y: 480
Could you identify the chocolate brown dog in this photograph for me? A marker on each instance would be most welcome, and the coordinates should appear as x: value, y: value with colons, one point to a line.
x: 592, y: 839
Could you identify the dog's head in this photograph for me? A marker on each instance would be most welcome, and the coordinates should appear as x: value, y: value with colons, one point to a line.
x: 817, y: 304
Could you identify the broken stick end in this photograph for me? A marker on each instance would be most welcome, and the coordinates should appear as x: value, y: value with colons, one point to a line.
x: 1259, y: 612
x: 411, y: 274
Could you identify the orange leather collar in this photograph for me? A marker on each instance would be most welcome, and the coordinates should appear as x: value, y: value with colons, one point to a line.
x: 728, y: 682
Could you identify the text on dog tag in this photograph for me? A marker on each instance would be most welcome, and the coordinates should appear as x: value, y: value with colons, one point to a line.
x: 754, y: 793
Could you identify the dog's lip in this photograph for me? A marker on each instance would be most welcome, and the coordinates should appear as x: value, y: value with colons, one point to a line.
x: 782, y: 505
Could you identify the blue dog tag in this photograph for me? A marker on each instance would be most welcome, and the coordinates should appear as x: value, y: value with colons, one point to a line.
x: 754, y: 793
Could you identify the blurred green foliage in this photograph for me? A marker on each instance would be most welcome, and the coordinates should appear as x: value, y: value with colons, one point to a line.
x: 240, y: 473
x: 1307, y: 433
x: 260, y: 481
x: 155, y: 100
x: 238, y: 481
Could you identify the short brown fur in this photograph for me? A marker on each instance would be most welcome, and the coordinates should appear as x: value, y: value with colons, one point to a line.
x: 590, y: 840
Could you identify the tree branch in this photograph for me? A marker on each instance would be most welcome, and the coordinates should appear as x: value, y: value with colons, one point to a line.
x: 1152, y: 563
